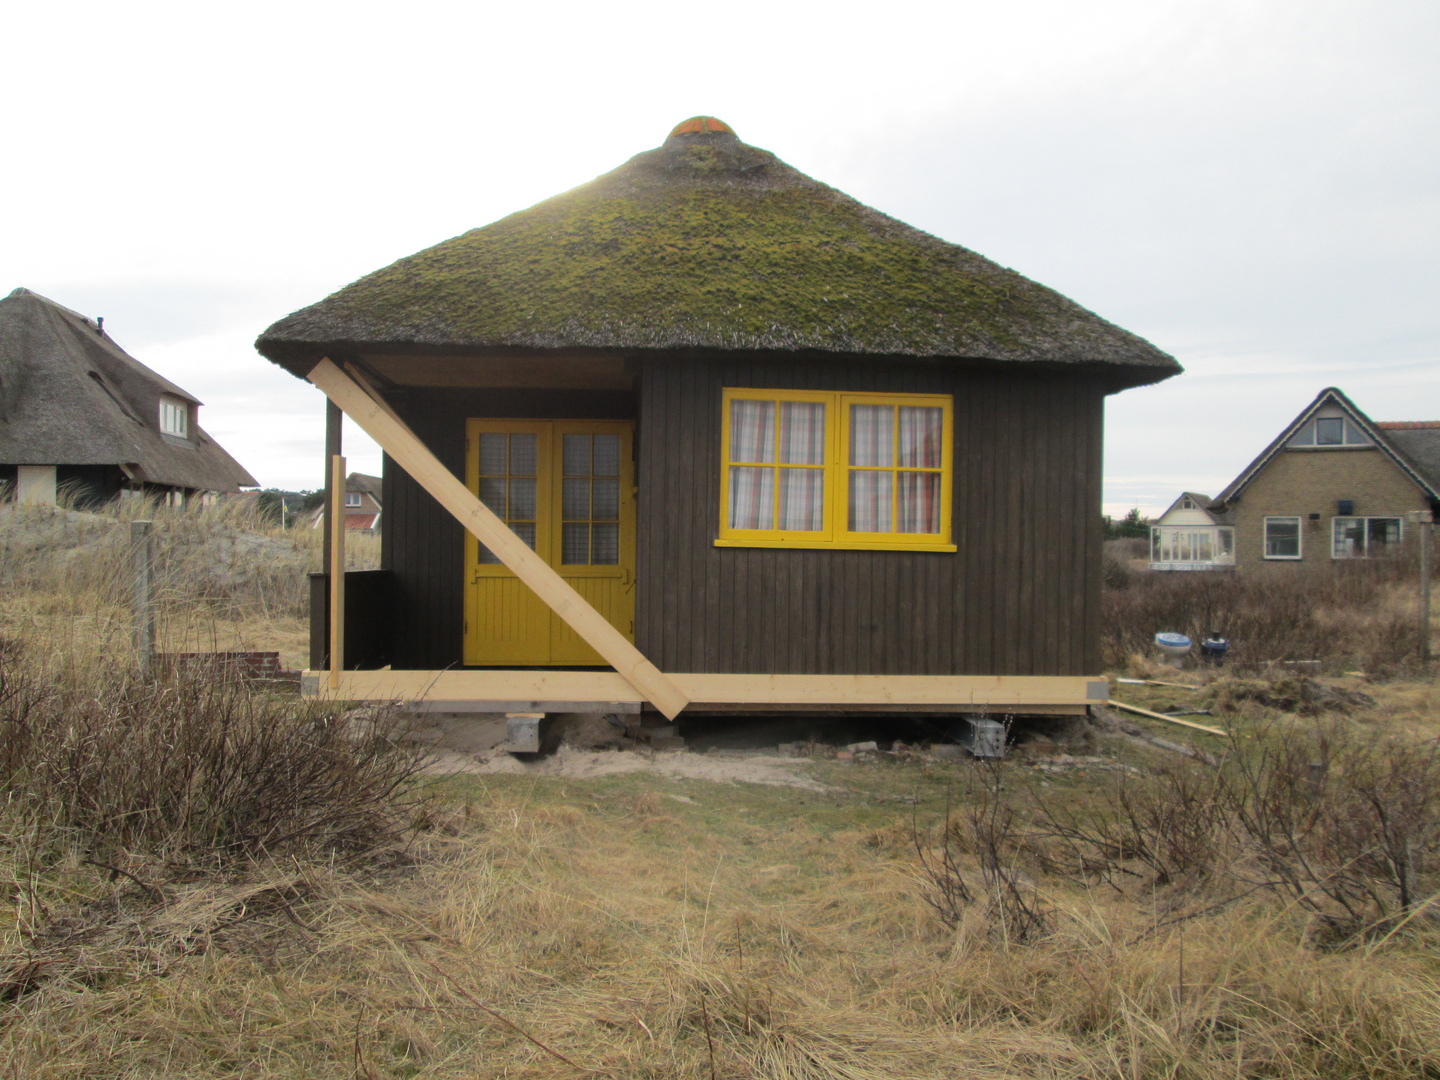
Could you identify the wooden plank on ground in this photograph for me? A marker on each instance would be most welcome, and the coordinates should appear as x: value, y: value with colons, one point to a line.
x: 1168, y: 719
x: 411, y: 455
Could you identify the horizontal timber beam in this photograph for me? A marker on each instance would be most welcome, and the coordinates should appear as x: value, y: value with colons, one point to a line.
x: 957, y: 693
x: 378, y: 421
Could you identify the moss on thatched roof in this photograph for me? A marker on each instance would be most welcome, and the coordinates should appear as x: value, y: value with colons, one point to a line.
x: 708, y: 243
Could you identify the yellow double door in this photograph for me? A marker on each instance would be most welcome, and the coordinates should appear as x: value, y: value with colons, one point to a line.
x: 567, y: 488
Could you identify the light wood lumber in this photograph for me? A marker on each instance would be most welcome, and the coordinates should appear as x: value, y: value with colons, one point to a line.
x: 412, y: 456
x: 955, y: 693
x: 1158, y: 682
x: 1168, y: 719
x: 337, y: 569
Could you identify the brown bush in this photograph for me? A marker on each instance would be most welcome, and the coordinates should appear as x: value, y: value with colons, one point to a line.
x: 1346, y: 616
x: 194, y: 767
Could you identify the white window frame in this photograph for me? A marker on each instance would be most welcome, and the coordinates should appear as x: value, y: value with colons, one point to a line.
x: 1299, y: 521
x: 1399, y: 520
x: 352, y: 500
x: 174, y: 417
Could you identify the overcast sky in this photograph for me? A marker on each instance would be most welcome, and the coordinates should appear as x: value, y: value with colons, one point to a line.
x: 1253, y: 186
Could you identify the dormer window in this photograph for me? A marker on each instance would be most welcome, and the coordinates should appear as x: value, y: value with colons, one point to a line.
x: 1330, y: 431
x: 352, y: 499
x: 174, y: 417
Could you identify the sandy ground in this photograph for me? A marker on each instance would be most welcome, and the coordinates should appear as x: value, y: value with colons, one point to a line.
x: 474, y: 745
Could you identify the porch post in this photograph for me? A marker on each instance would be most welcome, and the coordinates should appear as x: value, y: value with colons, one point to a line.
x: 335, y: 533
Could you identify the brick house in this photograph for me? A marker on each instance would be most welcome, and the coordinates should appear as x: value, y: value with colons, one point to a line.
x: 1333, y: 485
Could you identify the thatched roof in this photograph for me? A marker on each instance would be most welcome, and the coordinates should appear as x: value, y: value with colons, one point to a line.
x: 706, y: 243
x: 70, y: 396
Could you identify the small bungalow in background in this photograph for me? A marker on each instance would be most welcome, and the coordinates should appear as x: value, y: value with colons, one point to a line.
x: 1334, y: 485
x: 1189, y: 537
x: 707, y: 434
x: 80, y: 415
x: 362, y: 504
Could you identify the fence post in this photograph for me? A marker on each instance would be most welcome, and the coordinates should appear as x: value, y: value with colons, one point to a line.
x: 144, y: 608
x: 1423, y: 519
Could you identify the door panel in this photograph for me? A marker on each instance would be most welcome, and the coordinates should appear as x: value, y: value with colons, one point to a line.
x: 567, y: 488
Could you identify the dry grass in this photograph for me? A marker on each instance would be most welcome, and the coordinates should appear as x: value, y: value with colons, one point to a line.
x: 225, y: 578
x: 630, y: 926
x: 606, y: 925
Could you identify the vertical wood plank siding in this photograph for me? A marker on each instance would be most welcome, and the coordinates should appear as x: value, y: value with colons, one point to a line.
x: 1020, y: 596
x: 422, y: 545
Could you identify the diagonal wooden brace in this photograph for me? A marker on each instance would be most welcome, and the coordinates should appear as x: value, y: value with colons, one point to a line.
x: 379, y: 422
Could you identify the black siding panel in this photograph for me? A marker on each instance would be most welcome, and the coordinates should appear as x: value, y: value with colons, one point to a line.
x: 1020, y: 595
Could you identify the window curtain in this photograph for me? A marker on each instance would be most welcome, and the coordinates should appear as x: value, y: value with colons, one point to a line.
x: 886, y: 501
x: 791, y: 435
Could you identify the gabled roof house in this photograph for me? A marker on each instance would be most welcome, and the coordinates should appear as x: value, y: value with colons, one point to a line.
x: 1190, y: 536
x: 363, y: 504
x: 1333, y: 485
x: 77, y: 412
x: 707, y: 434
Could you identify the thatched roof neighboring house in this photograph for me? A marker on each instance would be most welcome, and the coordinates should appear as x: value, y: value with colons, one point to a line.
x: 707, y: 243
x: 75, y: 403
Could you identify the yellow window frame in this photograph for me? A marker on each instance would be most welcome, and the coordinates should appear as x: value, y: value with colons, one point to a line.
x: 835, y: 534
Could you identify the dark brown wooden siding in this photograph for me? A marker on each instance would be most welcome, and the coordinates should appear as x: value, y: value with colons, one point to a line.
x: 1020, y: 596
x: 423, y: 545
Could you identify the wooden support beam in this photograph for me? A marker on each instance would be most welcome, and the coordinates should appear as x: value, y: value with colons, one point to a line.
x: 992, y: 694
x: 410, y: 454
x: 336, y: 568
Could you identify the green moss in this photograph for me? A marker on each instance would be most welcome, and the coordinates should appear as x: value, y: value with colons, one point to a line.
x: 797, y: 261
x: 714, y: 244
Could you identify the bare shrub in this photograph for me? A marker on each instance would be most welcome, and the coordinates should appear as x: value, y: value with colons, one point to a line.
x: 989, y: 827
x: 199, y: 768
x: 1343, y: 826
x: 1347, y: 616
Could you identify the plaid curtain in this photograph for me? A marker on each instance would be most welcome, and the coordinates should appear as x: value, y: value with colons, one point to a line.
x: 919, y: 509
x: 921, y: 431
x: 870, y: 501
x: 872, y: 435
x: 801, y: 441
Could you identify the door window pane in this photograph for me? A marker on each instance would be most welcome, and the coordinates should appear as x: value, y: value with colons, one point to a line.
x: 575, y: 502
x: 493, y: 459
x: 577, y: 455
x: 575, y: 543
x: 605, y: 544
x: 605, y: 502
x: 524, y: 454
x: 522, y: 499
x: 607, y: 455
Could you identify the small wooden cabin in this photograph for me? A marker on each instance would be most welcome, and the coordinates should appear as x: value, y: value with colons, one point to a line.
x: 707, y: 433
